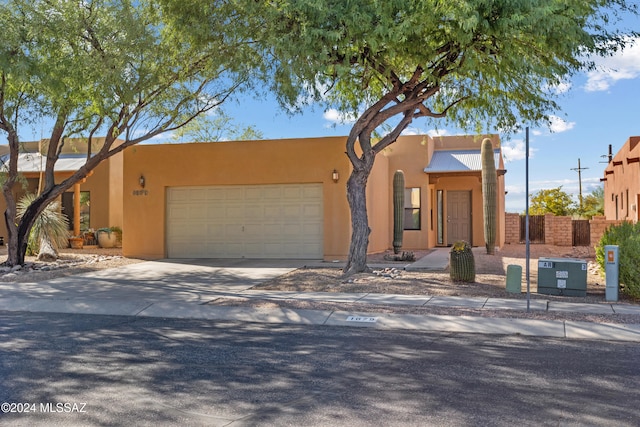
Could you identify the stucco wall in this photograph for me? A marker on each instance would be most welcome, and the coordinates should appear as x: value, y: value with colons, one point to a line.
x: 410, y: 154
x: 378, y: 209
x: 622, y: 183
x: 230, y: 163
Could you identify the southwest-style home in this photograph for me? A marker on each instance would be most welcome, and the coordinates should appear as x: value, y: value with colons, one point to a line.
x: 622, y: 183
x: 281, y: 198
x: 287, y: 198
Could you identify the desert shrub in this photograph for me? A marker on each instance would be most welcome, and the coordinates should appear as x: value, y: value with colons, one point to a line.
x: 627, y: 237
x: 50, y: 225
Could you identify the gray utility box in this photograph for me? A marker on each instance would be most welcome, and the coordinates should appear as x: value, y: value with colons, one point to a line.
x: 562, y: 276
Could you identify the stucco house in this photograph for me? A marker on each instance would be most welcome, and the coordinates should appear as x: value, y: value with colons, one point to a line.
x: 622, y: 182
x: 287, y: 198
x: 275, y: 198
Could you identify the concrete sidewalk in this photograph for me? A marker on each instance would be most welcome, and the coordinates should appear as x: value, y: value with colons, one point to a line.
x: 186, y: 289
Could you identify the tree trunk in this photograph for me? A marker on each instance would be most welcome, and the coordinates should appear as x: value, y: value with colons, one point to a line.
x: 19, y: 234
x: 16, y: 241
x: 356, y: 196
x: 47, y: 251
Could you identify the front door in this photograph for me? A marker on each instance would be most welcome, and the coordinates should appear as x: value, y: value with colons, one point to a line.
x: 458, y: 216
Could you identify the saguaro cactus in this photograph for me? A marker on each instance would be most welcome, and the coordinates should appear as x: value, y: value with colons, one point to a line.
x: 462, y: 265
x: 489, y: 194
x: 398, y: 210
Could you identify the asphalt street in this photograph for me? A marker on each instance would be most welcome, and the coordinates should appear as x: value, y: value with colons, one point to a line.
x: 72, y: 370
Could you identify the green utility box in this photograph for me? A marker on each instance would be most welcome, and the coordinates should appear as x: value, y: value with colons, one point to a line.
x: 514, y: 279
x: 562, y: 276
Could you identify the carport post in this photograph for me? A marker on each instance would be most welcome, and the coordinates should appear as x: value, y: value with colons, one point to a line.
x: 76, y: 209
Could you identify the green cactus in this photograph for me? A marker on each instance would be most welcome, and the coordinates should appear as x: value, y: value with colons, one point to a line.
x: 489, y: 195
x: 462, y: 266
x: 398, y: 210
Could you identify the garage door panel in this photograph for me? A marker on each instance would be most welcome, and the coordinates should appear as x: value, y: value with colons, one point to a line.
x: 272, y: 212
x: 309, y: 192
x: 257, y: 221
x: 272, y: 193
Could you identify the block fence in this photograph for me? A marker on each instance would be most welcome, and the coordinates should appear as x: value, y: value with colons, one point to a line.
x: 557, y: 229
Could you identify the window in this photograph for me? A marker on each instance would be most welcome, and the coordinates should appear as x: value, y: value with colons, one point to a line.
x: 412, y: 208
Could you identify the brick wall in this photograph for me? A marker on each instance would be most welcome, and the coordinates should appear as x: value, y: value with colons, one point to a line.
x: 558, y: 229
x: 598, y: 225
x: 561, y: 229
x: 512, y: 228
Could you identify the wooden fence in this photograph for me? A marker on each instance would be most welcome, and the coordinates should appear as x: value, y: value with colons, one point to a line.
x: 536, y: 229
x: 581, y: 232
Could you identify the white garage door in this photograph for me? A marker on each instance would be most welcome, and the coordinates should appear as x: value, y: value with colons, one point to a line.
x: 250, y: 221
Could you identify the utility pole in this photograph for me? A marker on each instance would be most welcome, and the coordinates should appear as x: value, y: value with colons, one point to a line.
x: 579, y: 169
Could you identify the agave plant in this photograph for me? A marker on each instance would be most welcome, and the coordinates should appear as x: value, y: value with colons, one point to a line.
x: 50, y: 227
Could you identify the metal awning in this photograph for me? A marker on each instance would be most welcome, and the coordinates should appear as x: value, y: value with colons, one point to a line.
x: 36, y: 162
x: 458, y: 161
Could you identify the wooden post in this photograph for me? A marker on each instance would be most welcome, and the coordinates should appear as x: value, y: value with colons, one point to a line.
x: 76, y: 209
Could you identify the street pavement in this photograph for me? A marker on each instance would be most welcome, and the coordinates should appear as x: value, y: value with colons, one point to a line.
x: 184, y: 289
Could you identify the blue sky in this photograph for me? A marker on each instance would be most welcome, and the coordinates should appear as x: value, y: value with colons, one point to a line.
x: 598, y: 108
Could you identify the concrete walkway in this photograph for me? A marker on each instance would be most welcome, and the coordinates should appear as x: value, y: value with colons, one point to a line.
x: 187, y: 289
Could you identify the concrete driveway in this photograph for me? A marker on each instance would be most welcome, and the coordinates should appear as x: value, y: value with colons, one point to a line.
x: 184, y: 280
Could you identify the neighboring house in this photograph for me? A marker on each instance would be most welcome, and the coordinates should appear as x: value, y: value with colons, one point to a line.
x: 95, y: 202
x: 287, y: 198
x: 622, y: 183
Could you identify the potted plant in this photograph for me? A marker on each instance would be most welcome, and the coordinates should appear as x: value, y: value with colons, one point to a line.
x: 76, y: 242
x: 89, y: 237
x: 109, y: 237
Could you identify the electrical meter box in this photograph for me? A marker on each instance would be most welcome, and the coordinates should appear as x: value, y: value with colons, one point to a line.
x: 562, y: 276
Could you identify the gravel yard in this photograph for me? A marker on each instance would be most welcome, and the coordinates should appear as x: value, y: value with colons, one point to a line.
x: 490, y: 282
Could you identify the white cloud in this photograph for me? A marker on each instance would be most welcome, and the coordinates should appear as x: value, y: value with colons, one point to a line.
x: 558, y: 125
x: 562, y: 88
x: 335, y: 117
x: 516, y: 150
x: 437, y: 132
x: 536, y: 132
x: 412, y: 131
x: 622, y: 65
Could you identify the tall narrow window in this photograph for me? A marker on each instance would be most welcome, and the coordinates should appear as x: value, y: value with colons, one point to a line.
x: 412, y: 209
x: 440, y: 216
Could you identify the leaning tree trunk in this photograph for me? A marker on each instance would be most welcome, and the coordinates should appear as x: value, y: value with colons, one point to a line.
x: 356, y: 196
x: 19, y: 233
x: 18, y: 240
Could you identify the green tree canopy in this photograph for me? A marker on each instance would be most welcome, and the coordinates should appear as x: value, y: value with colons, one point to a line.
x: 593, y: 203
x: 553, y: 201
x: 214, y: 127
x: 128, y: 70
x: 479, y: 64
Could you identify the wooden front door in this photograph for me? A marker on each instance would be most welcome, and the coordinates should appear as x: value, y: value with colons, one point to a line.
x: 458, y: 216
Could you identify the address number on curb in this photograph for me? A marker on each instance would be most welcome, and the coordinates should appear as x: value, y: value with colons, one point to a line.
x: 362, y: 319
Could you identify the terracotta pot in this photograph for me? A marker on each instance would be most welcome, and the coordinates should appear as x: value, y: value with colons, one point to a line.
x: 76, y: 242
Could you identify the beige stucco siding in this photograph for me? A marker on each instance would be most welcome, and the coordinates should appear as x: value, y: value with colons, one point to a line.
x: 230, y: 163
x: 409, y: 154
